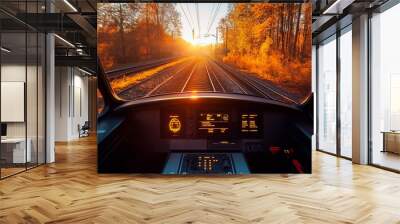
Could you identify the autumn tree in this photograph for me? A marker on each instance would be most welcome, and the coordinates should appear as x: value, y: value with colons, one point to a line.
x: 134, y: 32
x: 271, y: 40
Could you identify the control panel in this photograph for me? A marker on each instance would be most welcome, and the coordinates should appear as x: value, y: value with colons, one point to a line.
x: 210, y: 124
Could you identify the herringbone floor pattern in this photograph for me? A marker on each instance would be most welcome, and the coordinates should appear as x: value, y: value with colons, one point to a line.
x: 71, y: 191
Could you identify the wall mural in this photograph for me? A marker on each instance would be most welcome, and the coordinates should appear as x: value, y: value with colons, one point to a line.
x: 204, y: 88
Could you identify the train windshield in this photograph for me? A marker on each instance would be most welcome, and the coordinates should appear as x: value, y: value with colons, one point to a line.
x: 257, y: 49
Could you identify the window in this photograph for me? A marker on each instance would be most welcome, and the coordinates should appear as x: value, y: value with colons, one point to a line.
x: 23, y: 89
x: 385, y: 88
x: 346, y: 92
x: 17, y: 153
x: 327, y: 95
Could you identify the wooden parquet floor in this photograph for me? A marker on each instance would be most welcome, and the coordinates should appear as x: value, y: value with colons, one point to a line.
x: 71, y: 191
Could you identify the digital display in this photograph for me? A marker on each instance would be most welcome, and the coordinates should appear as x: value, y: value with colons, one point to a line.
x: 172, y: 124
x: 214, y: 124
x: 250, y: 124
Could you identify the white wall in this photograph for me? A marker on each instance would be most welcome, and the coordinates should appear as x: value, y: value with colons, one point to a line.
x: 12, y: 73
x: 71, y: 94
x: 61, y: 103
x: 80, y: 102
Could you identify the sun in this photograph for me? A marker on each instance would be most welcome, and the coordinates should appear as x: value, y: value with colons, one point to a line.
x: 194, y: 42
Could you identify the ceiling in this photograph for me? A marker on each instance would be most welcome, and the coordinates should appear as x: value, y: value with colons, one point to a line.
x: 75, y: 21
x: 331, y: 15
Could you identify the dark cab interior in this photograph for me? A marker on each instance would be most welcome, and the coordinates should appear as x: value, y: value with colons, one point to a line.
x: 141, y: 136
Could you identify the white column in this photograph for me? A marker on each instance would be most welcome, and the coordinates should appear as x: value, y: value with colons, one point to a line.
x: 50, y: 92
x: 50, y: 98
x: 360, y: 90
x: 63, y: 103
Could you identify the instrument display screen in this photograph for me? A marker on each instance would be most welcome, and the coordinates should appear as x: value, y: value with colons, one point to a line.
x: 214, y: 124
x: 172, y: 124
x: 250, y: 124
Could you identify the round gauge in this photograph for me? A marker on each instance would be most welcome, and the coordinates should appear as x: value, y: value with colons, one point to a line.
x: 175, y: 125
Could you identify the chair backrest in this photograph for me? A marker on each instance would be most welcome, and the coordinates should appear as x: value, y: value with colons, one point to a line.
x: 86, y: 125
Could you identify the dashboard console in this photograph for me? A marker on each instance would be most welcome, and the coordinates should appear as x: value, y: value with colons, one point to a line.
x: 145, y: 133
x: 210, y: 124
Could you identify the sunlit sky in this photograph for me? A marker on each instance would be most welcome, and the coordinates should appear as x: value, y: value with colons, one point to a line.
x: 205, y: 17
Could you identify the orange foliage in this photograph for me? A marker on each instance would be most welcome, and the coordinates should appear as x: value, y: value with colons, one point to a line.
x: 130, y: 33
x: 129, y: 80
x: 294, y: 76
x: 271, y: 40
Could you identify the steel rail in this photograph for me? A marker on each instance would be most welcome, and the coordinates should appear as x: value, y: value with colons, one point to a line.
x: 218, y: 81
x: 189, y: 77
x: 209, y: 78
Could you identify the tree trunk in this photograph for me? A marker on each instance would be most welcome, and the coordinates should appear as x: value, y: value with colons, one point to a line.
x: 147, y: 33
x: 289, y: 32
x: 282, y: 30
x: 294, y: 48
x: 122, y: 33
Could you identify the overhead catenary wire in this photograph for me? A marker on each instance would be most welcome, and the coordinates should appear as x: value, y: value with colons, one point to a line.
x: 214, y: 17
x: 198, y: 19
x: 190, y: 16
x: 187, y: 19
x: 211, y: 16
x: 194, y: 20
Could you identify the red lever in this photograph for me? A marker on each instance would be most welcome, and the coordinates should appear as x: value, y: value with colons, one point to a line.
x: 297, y: 165
x: 275, y: 149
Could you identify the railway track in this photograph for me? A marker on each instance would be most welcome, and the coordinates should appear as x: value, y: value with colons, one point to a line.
x: 256, y: 86
x: 200, y: 80
x: 175, y: 82
x: 228, y: 81
x: 212, y: 76
x: 116, y: 73
x: 163, y: 82
x: 147, y: 86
